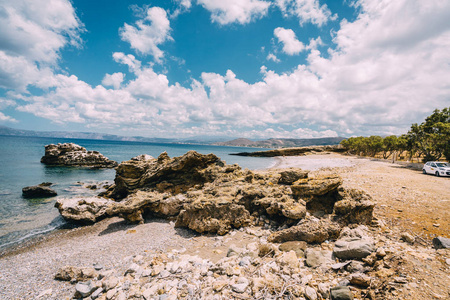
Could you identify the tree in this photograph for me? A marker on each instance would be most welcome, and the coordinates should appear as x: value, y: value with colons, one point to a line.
x: 432, y: 137
x: 390, y: 144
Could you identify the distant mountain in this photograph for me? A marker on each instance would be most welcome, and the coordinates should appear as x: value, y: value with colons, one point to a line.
x: 87, y: 135
x: 282, y: 143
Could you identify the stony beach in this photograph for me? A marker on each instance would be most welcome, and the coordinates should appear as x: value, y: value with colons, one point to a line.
x: 155, y: 260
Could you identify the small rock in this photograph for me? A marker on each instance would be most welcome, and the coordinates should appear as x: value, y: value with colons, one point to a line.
x: 324, y: 290
x: 360, y: 279
x: 381, y: 252
x: 407, y: 237
x: 310, y: 293
x: 98, y: 267
x: 341, y: 293
x: 316, y: 258
x: 96, y: 293
x: 84, y: 289
x: 298, y: 246
x: 266, y: 250
x: 110, y: 294
x: 441, y: 243
x: 401, y: 280
x: 219, y: 285
x: 47, y: 292
x: 110, y: 283
x: 38, y: 191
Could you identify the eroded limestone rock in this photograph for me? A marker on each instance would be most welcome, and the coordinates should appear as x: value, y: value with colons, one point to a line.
x: 70, y: 154
x: 84, y: 210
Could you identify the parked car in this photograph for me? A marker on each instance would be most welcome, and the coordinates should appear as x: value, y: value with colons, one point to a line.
x: 437, y: 168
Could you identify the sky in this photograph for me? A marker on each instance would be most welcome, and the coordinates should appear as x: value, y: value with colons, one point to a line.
x: 237, y: 68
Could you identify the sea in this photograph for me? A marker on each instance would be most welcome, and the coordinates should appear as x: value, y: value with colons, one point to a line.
x: 22, y: 219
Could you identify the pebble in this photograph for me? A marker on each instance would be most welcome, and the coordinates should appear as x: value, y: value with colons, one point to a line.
x: 310, y: 293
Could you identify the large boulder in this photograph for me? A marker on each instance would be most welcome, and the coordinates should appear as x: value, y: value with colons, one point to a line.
x: 38, y: 191
x: 354, y: 207
x: 213, y: 216
x: 70, y: 154
x: 83, y: 210
x: 309, y: 230
x: 176, y: 174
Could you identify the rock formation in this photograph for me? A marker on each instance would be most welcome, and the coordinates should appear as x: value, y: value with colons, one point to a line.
x: 70, y: 154
x: 200, y: 192
x: 39, y: 191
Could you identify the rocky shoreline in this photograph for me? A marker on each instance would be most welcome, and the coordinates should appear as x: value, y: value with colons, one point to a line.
x: 153, y: 259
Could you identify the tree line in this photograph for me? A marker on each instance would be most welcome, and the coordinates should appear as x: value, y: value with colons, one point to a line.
x: 428, y: 141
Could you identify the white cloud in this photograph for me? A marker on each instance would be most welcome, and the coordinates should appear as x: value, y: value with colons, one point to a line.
x: 145, y: 38
x: 5, y: 118
x: 235, y: 11
x: 306, y: 11
x: 370, y: 84
x: 273, y: 57
x: 291, y: 45
x: 114, y: 80
x: 32, y: 33
x: 183, y: 6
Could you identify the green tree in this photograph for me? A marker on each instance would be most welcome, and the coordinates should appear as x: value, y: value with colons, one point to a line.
x: 390, y: 145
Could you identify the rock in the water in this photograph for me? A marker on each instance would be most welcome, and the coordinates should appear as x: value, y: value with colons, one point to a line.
x: 441, y: 243
x: 84, y: 210
x: 38, y: 191
x: 341, y: 293
x: 353, y: 244
x: 311, y: 231
x: 70, y: 154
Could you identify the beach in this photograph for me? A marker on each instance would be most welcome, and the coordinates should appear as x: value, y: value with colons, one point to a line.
x: 406, y: 201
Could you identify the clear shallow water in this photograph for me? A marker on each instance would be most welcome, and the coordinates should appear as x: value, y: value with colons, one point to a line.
x: 20, y: 166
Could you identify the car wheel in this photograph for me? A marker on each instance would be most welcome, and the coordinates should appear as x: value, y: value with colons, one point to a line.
x: 437, y: 173
x: 424, y: 172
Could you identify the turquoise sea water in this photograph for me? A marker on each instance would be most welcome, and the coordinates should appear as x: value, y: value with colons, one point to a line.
x: 20, y: 166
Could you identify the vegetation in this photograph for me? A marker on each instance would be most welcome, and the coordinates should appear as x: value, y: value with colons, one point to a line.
x: 429, y: 140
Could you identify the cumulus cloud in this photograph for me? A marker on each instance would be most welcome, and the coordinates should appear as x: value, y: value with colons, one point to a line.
x: 32, y: 33
x: 235, y: 11
x: 370, y: 84
x: 149, y: 32
x: 306, y: 11
x: 291, y: 45
x: 114, y: 80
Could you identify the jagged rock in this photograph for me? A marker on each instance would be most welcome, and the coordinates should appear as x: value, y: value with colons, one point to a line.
x: 70, y: 154
x: 353, y: 244
x: 341, y: 293
x: 360, y: 279
x: 311, y: 231
x: 441, y: 243
x: 310, y: 293
x: 407, y: 237
x: 143, y: 157
x: 38, y: 191
x: 84, y: 210
x: 356, y: 207
x: 309, y: 187
x: 70, y: 273
x: 176, y: 174
x: 292, y: 175
x: 213, y: 216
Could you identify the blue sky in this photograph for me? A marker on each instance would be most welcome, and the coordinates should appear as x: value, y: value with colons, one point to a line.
x: 237, y: 68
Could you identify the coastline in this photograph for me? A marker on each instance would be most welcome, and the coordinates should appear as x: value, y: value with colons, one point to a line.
x: 29, y: 268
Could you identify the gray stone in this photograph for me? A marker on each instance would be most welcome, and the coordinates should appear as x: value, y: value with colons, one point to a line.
x: 441, y: 243
x: 316, y: 258
x: 353, y: 248
x: 96, y: 293
x: 341, y: 293
x: 360, y: 279
x: 84, y: 289
x: 240, y: 286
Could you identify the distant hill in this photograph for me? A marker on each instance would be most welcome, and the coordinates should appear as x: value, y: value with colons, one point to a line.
x: 282, y: 143
x: 84, y: 135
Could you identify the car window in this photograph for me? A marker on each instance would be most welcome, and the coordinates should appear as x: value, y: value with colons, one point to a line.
x: 442, y: 165
x: 433, y: 165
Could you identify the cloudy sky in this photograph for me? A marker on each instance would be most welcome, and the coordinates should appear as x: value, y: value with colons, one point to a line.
x: 237, y: 68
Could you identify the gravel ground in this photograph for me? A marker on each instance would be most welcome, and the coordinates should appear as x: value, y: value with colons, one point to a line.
x: 28, y: 271
x: 407, y: 201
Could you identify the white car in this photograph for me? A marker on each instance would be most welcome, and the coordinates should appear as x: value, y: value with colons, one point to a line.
x: 437, y: 168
